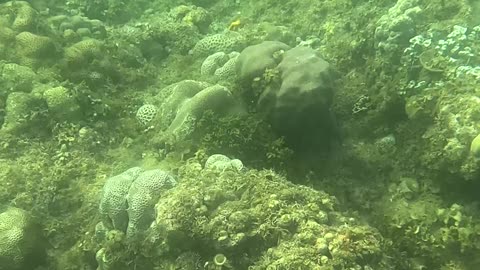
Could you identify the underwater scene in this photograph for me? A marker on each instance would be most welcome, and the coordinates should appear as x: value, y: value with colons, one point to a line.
x: 240, y: 135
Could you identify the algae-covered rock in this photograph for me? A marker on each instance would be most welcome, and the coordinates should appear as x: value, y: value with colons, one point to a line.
x: 192, y: 15
x: 223, y: 211
x: 423, y: 224
x: 396, y: 27
x: 22, y: 246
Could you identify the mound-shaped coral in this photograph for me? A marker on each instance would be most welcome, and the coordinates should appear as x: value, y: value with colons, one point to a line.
x: 21, y: 243
x: 300, y: 108
x: 273, y: 222
x: 128, y: 199
x: 254, y: 60
x: 21, y: 112
x: 184, y: 103
x: 294, y: 89
x: 31, y: 49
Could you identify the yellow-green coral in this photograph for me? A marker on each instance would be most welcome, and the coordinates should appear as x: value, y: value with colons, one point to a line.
x: 7, y: 35
x: 30, y: 48
x: 82, y: 52
x: 61, y: 103
x: 475, y: 147
x: 25, y: 18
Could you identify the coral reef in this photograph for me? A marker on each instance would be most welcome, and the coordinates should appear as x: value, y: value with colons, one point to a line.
x: 289, y: 134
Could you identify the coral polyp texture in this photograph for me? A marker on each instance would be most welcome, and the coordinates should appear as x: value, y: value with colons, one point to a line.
x: 128, y: 199
x: 146, y: 113
x: 21, y: 241
x: 225, y: 42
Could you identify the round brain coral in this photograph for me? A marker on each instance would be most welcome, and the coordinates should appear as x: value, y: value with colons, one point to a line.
x: 25, y: 18
x: 142, y: 197
x: 217, y: 43
x: 83, y: 52
x: 32, y: 45
x: 128, y: 199
x: 146, y: 113
x: 21, y: 240
x: 113, y: 205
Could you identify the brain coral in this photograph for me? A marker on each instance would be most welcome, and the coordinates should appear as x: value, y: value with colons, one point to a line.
x: 146, y: 113
x: 128, y: 199
x: 226, y: 42
x: 32, y: 49
x: 216, y: 99
x: 142, y: 196
x: 21, y: 243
